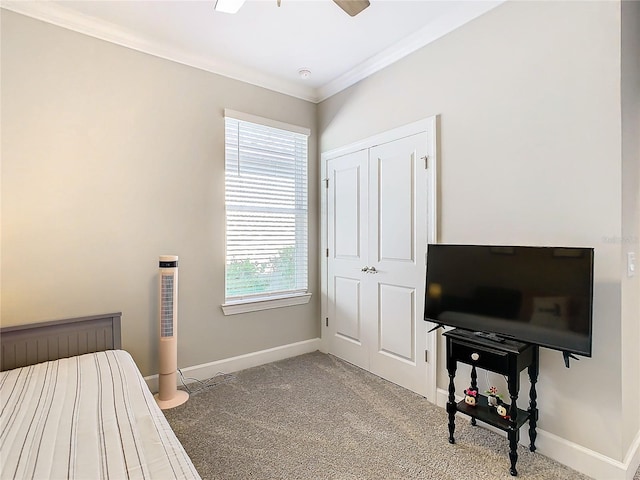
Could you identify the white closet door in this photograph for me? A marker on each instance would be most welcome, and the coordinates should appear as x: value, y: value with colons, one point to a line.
x: 397, y: 244
x: 377, y: 222
x: 347, y: 204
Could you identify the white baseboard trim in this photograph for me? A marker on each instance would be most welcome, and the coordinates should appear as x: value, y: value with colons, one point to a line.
x: 241, y: 362
x: 571, y: 454
x: 632, y: 458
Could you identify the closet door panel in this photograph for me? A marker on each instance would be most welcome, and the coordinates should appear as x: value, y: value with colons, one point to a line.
x: 397, y: 246
x: 347, y: 231
x: 395, y: 203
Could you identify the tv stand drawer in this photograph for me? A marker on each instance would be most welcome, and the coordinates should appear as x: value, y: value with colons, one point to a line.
x: 504, y: 357
x: 481, y: 356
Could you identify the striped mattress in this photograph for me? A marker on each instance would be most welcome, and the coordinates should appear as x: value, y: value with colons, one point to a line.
x: 85, y: 417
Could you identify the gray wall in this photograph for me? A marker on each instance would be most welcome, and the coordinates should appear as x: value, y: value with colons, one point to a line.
x: 110, y: 158
x: 530, y: 153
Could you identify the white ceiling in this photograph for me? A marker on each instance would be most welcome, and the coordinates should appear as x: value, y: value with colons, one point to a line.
x: 265, y: 44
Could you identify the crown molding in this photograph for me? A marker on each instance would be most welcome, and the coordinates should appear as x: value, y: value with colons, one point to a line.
x: 431, y: 32
x: 60, y: 16
x: 64, y: 17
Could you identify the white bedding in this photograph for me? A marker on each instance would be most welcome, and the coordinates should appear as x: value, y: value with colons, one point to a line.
x: 86, y: 417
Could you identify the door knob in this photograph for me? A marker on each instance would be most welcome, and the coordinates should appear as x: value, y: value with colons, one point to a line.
x: 372, y: 270
x: 365, y: 269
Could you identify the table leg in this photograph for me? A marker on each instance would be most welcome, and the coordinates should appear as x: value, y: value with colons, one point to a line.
x: 474, y: 386
x: 513, y: 451
x: 533, y: 405
x: 451, y: 404
x: 513, y: 432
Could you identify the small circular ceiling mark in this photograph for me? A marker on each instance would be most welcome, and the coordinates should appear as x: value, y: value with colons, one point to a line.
x: 304, y: 73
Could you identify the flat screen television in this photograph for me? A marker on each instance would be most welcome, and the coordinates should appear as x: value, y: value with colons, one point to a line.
x: 539, y: 295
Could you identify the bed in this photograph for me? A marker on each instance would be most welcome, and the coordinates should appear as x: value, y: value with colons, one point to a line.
x: 74, y: 405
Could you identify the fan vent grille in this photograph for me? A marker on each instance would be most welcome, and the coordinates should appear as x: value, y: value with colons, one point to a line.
x: 166, y: 314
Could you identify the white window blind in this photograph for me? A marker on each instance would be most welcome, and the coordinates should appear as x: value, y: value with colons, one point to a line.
x: 266, y: 210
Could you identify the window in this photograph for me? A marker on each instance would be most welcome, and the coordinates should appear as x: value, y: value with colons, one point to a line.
x: 266, y: 213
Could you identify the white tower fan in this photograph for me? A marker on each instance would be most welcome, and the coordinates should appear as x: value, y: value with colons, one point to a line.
x: 168, y: 395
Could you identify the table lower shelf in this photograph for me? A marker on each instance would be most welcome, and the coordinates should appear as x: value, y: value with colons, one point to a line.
x: 483, y: 412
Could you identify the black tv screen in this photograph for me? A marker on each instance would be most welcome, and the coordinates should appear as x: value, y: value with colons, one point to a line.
x: 539, y: 295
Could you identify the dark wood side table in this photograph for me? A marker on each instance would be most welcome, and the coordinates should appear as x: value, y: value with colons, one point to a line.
x: 505, y: 357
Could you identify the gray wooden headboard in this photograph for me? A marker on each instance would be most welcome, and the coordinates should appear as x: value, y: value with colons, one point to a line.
x: 40, y: 342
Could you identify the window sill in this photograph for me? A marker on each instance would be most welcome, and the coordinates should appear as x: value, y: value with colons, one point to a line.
x: 265, y: 303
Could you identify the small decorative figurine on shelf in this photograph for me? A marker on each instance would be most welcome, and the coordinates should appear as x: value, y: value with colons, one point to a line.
x: 471, y: 396
x: 492, y: 397
x: 502, y: 409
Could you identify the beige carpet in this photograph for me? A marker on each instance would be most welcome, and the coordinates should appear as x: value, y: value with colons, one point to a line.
x: 317, y: 417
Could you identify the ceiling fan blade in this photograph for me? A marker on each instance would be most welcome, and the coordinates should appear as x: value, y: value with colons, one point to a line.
x: 352, y: 7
